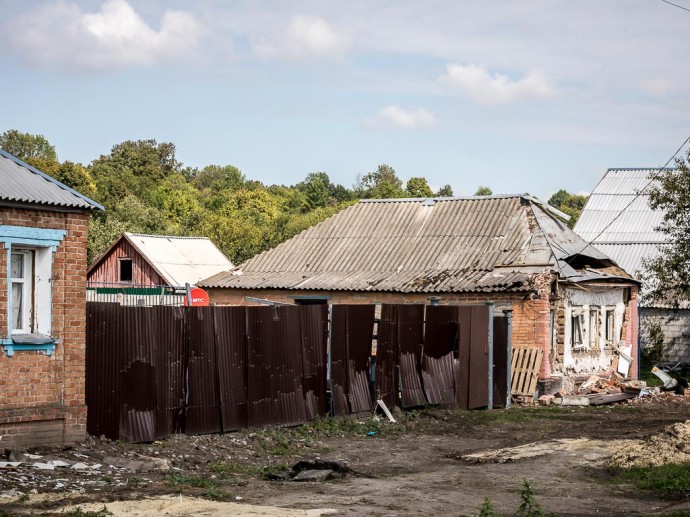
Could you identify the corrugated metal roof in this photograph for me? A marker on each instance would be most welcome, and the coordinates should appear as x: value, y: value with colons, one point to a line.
x: 180, y: 260
x: 22, y: 183
x: 482, y: 244
x: 629, y: 236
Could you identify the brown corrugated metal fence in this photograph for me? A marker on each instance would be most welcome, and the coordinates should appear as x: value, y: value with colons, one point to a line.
x: 156, y: 371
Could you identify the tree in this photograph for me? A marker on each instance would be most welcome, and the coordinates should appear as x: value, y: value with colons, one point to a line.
x: 570, y: 204
x: 383, y: 183
x: 667, y: 277
x: 445, y: 191
x: 26, y: 146
x: 418, y: 187
x: 483, y: 191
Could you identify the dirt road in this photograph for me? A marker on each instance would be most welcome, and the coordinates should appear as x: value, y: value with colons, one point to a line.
x: 432, y: 462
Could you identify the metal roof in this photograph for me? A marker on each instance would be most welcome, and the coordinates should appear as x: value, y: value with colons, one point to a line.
x: 21, y: 183
x: 629, y: 236
x: 482, y: 244
x: 179, y: 260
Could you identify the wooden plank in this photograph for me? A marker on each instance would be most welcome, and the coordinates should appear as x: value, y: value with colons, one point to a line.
x: 524, y: 368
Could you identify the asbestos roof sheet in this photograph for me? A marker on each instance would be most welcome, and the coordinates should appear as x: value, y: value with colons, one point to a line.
x: 481, y: 244
x: 618, y: 219
x: 180, y: 260
x: 21, y: 183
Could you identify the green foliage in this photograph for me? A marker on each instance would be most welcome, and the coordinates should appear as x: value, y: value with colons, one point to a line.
x: 672, y: 479
x: 418, y: 187
x: 145, y: 189
x: 26, y: 146
x: 445, y: 191
x: 483, y: 191
x: 529, y: 507
x: 652, y: 343
x: 667, y: 277
x: 570, y: 204
x: 487, y: 509
x: 383, y: 183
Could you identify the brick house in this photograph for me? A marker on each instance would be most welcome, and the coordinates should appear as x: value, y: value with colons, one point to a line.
x: 43, y: 231
x: 566, y: 297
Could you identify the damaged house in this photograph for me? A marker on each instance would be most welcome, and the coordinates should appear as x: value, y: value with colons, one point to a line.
x: 567, y: 298
x: 629, y: 238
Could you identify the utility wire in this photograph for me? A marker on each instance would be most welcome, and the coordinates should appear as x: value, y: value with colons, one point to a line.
x: 676, y: 5
x: 639, y: 193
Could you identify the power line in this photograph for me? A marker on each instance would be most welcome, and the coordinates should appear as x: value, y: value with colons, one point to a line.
x: 639, y: 193
x: 676, y: 5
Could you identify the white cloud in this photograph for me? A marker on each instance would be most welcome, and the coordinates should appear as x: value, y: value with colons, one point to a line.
x: 306, y: 37
x: 476, y: 82
x: 397, y: 117
x: 60, y: 35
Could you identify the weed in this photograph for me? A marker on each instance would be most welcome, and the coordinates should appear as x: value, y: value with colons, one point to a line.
x: 271, y: 471
x: 487, y: 509
x: 134, y: 481
x: 23, y: 498
x: 224, y: 469
x: 108, y: 479
x: 213, y: 494
x: 529, y: 507
x: 671, y: 479
x: 176, y: 478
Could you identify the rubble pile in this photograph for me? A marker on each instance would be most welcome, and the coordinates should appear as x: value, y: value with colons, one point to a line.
x: 609, y: 387
x: 672, y: 445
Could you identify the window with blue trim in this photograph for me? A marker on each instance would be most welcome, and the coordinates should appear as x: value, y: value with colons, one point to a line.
x: 29, y: 287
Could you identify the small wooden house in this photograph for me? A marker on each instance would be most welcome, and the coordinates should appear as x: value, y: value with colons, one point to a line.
x: 152, y: 269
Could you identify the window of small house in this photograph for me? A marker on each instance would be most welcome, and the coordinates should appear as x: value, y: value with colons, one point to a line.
x: 30, y: 304
x: 594, y: 327
x: 125, y: 270
x: 577, y: 326
x: 610, y: 325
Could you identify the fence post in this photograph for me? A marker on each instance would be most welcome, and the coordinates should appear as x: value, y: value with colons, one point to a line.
x: 329, y: 378
x: 509, y: 351
x: 490, y: 395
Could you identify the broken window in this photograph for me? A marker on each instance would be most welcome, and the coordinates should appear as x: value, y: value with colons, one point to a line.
x: 577, y: 325
x: 594, y: 327
x: 610, y: 325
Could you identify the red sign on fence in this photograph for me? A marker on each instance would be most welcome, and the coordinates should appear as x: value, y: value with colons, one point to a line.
x: 199, y: 297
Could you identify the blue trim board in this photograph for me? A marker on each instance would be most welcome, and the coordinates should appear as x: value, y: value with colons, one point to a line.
x: 11, y: 347
x: 31, y: 236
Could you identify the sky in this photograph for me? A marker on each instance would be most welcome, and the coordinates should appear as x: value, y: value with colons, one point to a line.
x: 531, y: 96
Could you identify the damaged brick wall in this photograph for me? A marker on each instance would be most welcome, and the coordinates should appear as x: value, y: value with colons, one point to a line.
x: 42, y: 399
x: 531, y: 313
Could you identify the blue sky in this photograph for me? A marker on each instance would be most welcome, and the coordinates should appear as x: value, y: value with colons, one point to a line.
x: 529, y: 96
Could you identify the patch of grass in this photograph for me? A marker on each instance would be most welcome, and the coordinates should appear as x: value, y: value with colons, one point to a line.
x: 177, y: 478
x: 108, y: 479
x: 24, y: 498
x: 214, y: 494
x: 672, y: 479
x: 134, y: 481
x: 272, y: 470
x: 224, y: 469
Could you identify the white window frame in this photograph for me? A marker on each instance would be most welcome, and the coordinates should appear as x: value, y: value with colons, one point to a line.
x: 26, y: 301
x: 36, y: 291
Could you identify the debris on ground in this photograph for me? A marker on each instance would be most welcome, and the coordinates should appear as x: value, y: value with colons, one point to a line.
x: 609, y: 387
x: 671, y: 445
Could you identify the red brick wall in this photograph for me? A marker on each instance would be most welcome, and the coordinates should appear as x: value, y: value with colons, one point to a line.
x: 531, y: 317
x: 42, y: 397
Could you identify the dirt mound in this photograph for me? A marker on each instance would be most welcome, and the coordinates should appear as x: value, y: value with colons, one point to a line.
x: 672, y: 445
